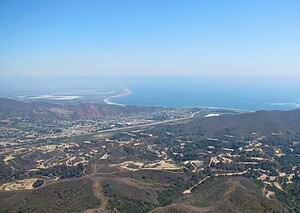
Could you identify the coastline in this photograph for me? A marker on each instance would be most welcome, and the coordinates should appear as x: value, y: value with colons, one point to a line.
x: 125, y: 92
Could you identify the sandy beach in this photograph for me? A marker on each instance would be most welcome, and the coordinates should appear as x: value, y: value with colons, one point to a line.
x: 125, y: 92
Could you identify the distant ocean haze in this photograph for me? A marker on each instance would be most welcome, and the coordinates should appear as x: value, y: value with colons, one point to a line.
x: 238, y: 93
x: 247, y: 93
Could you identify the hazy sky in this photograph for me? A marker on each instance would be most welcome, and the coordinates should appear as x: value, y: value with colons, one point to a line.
x: 159, y: 37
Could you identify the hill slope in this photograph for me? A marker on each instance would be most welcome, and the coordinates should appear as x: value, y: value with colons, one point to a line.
x: 247, y: 123
x: 230, y: 194
x: 12, y: 108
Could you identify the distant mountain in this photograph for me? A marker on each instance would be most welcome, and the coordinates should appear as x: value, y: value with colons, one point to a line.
x: 12, y: 108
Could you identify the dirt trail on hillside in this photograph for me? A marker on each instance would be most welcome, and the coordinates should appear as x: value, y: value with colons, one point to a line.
x: 97, y: 193
x: 97, y: 187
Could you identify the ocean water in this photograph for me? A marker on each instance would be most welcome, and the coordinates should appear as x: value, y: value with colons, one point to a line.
x: 246, y: 93
x: 228, y: 92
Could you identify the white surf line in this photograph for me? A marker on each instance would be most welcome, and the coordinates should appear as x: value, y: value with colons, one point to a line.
x: 125, y: 92
x: 56, y: 97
